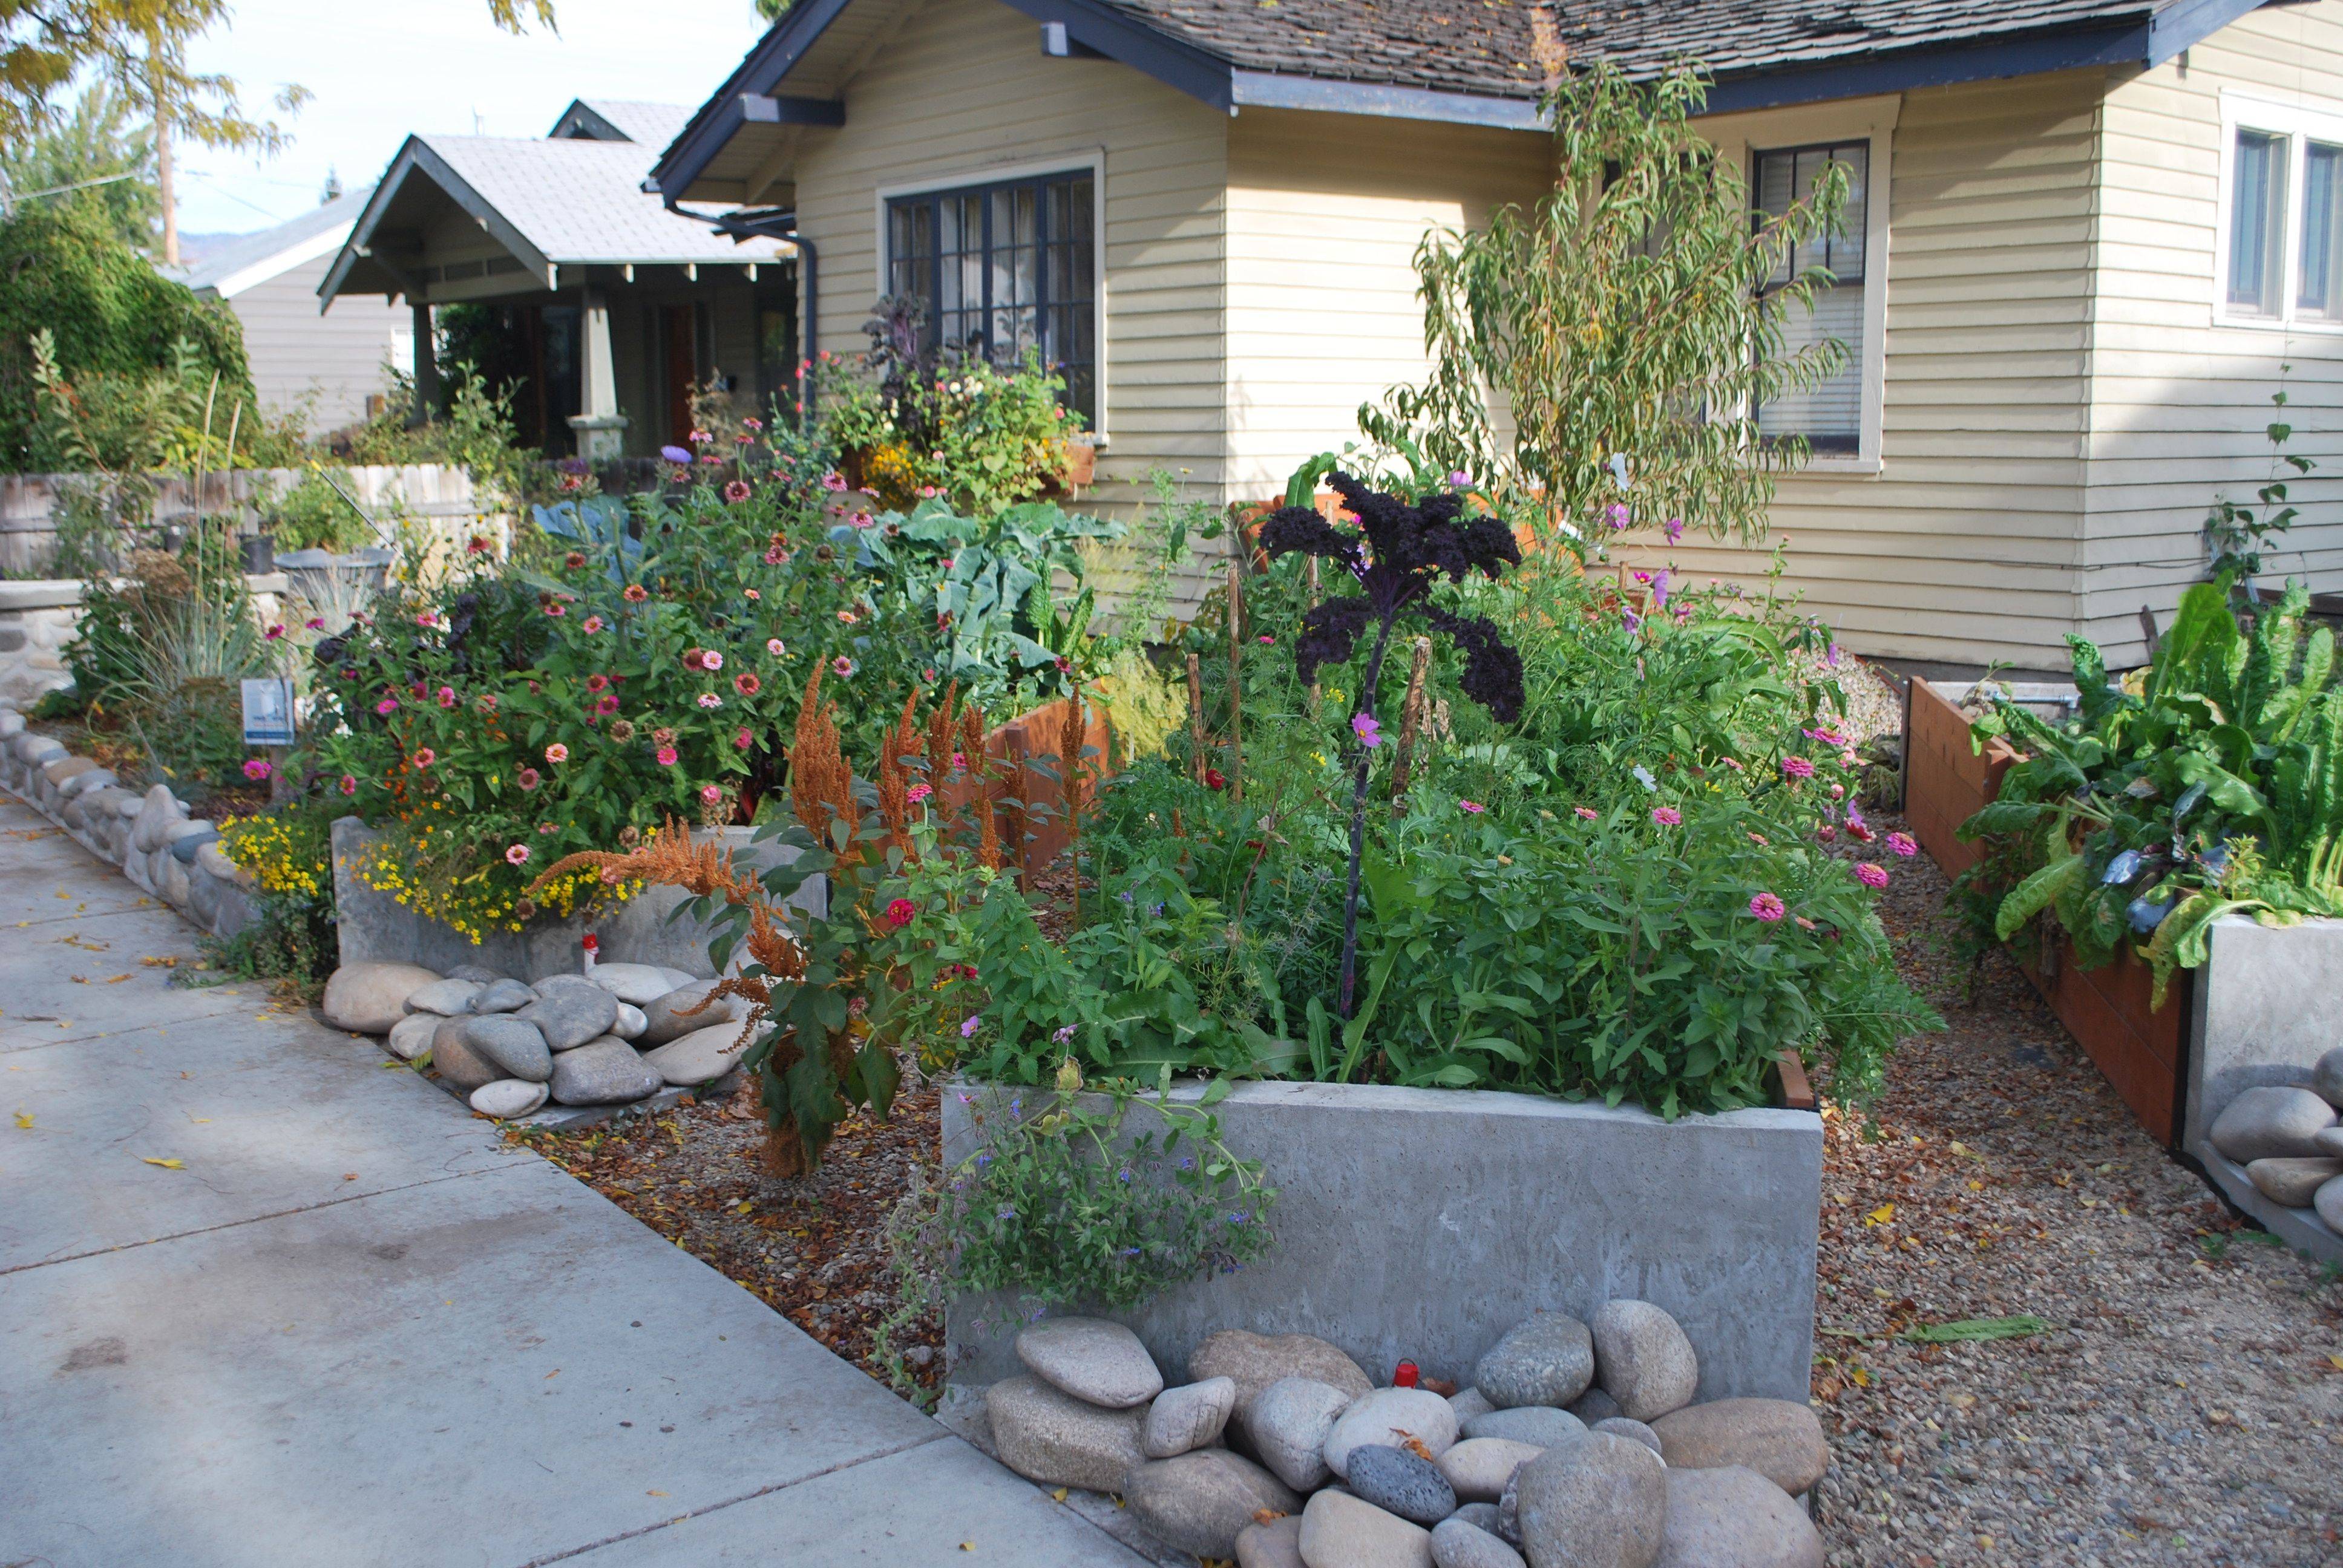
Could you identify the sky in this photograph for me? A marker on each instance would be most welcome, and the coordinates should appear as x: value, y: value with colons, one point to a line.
x: 380, y: 70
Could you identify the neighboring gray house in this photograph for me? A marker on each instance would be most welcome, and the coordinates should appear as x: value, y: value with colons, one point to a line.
x: 624, y: 305
x: 334, y: 362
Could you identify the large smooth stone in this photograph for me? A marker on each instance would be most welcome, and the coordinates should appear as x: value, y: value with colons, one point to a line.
x: 1253, y: 1362
x: 1456, y: 1544
x: 1339, y: 1530
x: 1479, y: 1467
x: 700, y: 1056
x: 368, y: 998
x: 1095, y: 1361
x: 150, y: 830
x: 1202, y: 1502
x: 631, y: 1023
x: 2327, y: 1202
x: 1642, y: 1359
x: 1387, y: 1418
x: 1622, y: 1426
x: 12, y: 724
x: 1592, y: 1501
x: 1055, y: 1438
x: 1779, y: 1439
x: 1276, y: 1544
x: 636, y: 984
x: 2327, y: 1078
x: 457, y: 1062
x: 568, y: 1016
x: 1549, y: 1359
x: 410, y: 1037
x: 1468, y: 1402
x: 2293, y: 1183
x: 1291, y: 1420
x: 2330, y: 1143
x: 512, y: 1043
x: 475, y: 973
x: 508, y: 1097
x: 66, y: 769
x: 1540, y: 1426
x: 2271, y: 1123
x: 667, y: 1017
x: 34, y: 750
x: 1593, y: 1405
x: 448, y: 998
x: 1188, y: 1417
x: 502, y: 996
x: 1735, y: 1518
x: 605, y: 1071
x: 1400, y: 1481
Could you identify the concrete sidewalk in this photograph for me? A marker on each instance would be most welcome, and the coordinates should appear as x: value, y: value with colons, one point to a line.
x: 350, y: 1326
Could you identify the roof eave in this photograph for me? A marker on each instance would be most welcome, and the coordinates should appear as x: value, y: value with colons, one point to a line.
x: 416, y: 156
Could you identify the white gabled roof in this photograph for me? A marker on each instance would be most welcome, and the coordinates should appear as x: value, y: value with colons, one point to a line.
x: 255, y: 258
x: 579, y: 202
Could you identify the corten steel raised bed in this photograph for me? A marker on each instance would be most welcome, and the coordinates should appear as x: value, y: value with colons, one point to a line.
x: 2142, y: 1052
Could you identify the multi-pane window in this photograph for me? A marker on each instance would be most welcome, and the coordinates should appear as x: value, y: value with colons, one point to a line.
x: 1829, y: 415
x: 1003, y: 270
x: 2282, y: 217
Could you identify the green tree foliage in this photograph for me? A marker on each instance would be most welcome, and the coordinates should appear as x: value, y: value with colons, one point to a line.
x: 101, y: 138
x: 109, y: 314
x: 1630, y: 319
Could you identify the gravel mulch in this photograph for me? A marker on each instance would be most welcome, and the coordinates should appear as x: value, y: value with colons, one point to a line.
x: 2184, y: 1404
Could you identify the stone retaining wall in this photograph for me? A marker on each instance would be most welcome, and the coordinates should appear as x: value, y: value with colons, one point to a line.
x: 1420, y: 1224
x: 149, y: 835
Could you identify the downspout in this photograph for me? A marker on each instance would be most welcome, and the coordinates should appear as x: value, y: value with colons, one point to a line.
x: 809, y: 297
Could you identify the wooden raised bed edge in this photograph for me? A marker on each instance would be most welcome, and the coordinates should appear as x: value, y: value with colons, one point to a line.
x: 2143, y: 1052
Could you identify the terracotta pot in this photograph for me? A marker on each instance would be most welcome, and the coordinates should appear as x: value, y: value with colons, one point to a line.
x: 1080, y: 467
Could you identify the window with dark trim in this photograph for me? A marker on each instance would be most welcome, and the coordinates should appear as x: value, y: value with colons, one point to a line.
x: 1829, y: 415
x: 1002, y: 269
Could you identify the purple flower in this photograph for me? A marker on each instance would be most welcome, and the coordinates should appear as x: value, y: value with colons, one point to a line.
x: 1660, y: 589
x: 1629, y: 619
x: 1064, y: 1034
x: 968, y: 1025
x: 1367, y: 729
x: 1831, y: 657
x: 1459, y: 479
x: 1616, y: 516
x: 1006, y: 1211
x: 1673, y: 529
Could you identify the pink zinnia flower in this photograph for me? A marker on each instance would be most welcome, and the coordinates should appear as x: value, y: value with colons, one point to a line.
x: 1871, y: 875
x: 1667, y: 816
x: 426, y: 757
x: 833, y: 480
x: 1904, y: 844
x: 666, y: 756
x: 692, y: 657
x: 315, y: 623
x: 517, y: 854
x: 776, y: 647
x: 747, y: 683
x: 1798, y: 768
x: 606, y: 703
x: 901, y: 912
x: 527, y: 778
x: 386, y: 705
x: 709, y: 700
x: 751, y: 593
x: 557, y: 753
x: 258, y: 767
x: 1587, y: 813
x: 556, y: 610
x: 598, y: 682
x: 842, y: 665
x: 426, y: 618
x: 1759, y: 839
x: 1766, y: 907
x: 710, y: 793
x: 917, y: 793
x: 737, y: 491
x: 595, y: 623
x: 1471, y: 807
x: 272, y: 634
x: 350, y: 784
x: 1826, y: 832
x: 711, y: 660
x: 447, y: 697
x: 741, y: 740
x: 776, y: 556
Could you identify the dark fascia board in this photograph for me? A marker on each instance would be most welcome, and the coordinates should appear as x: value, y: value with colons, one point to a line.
x: 2144, y: 44
x: 764, y: 109
x: 417, y: 158
x: 759, y: 71
x: 1276, y: 90
x: 584, y: 115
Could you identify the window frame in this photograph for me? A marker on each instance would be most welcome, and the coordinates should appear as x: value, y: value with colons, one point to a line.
x: 985, y: 176
x: 2300, y: 124
x: 1741, y: 137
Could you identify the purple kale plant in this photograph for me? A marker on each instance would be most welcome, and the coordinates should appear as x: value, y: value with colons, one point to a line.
x: 1400, y: 551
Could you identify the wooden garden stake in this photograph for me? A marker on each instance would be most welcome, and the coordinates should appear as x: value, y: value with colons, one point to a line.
x: 1310, y: 602
x: 1195, y: 719
x: 1410, y: 715
x: 1236, y: 681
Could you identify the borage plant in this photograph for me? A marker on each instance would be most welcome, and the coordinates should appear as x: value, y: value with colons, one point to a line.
x: 1399, y: 553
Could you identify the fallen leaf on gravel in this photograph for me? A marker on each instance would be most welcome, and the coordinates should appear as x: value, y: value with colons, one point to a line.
x: 1881, y: 1215
x: 1966, y: 1329
x: 172, y: 1164
x: 24, y: 1119
x: 1059, y: 1495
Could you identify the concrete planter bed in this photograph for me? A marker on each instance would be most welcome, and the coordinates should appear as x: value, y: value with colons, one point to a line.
x: 1464, y: 1232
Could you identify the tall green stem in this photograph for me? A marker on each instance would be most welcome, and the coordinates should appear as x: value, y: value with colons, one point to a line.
x: 1358, y: 815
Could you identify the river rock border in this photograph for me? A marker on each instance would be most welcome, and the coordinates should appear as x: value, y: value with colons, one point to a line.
x: 159, y: 846
x: 1578, y: 1441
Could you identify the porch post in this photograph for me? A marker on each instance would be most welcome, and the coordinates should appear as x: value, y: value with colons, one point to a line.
x: 426, y: 369
x: 601, y: 429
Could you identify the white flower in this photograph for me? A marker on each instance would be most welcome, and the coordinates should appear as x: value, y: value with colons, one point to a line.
x: 1643, y: 776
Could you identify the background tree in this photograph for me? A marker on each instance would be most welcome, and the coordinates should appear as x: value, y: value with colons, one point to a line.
x: 1628, y: 323
x: 97, y: 159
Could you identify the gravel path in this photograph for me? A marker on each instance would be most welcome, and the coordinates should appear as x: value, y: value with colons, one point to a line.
x: 2185, y: 1404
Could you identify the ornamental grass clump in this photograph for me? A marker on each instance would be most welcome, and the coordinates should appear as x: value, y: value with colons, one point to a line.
x: 1399, y: 552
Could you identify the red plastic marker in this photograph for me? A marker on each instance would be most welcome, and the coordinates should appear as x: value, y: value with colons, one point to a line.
x: 1406, y: 1376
